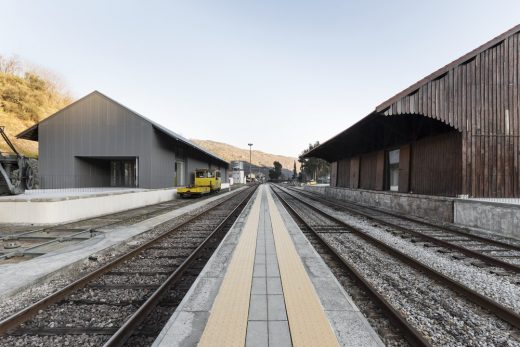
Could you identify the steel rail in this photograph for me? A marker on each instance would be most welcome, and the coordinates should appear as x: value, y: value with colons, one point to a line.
x: 449, y: 228
x: 469, y: 252
x: 412, y: 335
x: 28, y: 312
x: 129, y: 326
x: 496, y: 308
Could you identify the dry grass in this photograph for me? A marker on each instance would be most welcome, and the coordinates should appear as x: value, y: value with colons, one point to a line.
x: 26, y: 97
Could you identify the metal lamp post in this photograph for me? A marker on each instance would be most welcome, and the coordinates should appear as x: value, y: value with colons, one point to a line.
x: 250, y: 145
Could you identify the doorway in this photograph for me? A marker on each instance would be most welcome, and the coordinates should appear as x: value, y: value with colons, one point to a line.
x: 179, y: 174
x: 124, y: 173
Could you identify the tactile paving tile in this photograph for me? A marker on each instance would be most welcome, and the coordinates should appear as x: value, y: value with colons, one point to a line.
x: 307, y: 320
x: 227, y: 324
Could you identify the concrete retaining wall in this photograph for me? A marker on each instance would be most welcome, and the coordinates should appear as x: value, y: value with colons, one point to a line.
x: 60, y: 210
x: 499, y: 218
x: 424, y: 206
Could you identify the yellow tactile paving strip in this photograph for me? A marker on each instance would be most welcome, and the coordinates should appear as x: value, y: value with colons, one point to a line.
x: 227, y: 324
x: 307, y: 320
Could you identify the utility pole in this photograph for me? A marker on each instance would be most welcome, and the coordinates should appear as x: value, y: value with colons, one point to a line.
x: 250, y: 177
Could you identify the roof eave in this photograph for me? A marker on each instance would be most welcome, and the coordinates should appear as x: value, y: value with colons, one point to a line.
x: 30, y: 133
x: 468, y: 56
x: 312, y: 153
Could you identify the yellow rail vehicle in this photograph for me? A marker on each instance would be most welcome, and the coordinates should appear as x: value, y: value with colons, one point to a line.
x: 205, y: 182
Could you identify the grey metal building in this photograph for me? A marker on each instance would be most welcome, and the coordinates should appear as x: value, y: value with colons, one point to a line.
x: 97, y: 142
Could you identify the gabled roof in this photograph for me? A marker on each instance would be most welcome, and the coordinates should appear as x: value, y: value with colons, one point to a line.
x: 460, y: 61
x: 32, y: 132
x: 326, y: 149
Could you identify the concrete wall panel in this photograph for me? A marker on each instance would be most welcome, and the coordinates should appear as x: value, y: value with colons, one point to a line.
x: 502, y: 219
x: 424, y: 206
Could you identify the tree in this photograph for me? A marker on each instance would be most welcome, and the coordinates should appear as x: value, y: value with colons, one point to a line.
x: 313, y: 168
x: 295, y: 174
x: 11, y: 66
x: 276, y: 172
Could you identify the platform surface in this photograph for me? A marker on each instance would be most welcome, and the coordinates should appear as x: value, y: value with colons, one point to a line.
x: 266, y: 286
x: 57, y: 206
x: 67, y: 194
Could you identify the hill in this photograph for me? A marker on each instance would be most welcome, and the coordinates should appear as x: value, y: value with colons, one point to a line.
x: 229, y: 153
x: 26, y: 97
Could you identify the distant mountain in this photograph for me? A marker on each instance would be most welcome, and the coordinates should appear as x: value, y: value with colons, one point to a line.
x: 229, y: 153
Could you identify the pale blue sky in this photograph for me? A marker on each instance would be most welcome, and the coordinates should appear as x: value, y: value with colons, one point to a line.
x: 280, y: 74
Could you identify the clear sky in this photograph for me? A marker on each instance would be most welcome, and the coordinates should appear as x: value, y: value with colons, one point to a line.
x: 280, y: 74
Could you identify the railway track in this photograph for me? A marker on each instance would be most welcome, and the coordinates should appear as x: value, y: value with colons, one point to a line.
x: 489, y: 252
x: 128, y: 300
x: 389, y: 324
x: 31, y: 243
x: 442, y: 310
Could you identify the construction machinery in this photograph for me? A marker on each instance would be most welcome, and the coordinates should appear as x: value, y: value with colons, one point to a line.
x: 205, y: 182
x: 17, y: 173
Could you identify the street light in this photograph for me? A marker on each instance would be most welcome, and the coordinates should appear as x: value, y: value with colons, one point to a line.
x: 250, y: 177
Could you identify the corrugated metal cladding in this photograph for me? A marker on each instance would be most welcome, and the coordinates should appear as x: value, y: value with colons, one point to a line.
x: 78, y: 143
x: 475, y: 98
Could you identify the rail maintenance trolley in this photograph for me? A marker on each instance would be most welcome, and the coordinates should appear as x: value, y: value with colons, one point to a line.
x: 205, y: 182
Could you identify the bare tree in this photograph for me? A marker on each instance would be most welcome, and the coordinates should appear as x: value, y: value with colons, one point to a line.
x: 11, y: 65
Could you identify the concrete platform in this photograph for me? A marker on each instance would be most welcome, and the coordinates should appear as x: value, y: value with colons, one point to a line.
x: 16, y: 277
x: 54, y: 206
x: 270, y: 317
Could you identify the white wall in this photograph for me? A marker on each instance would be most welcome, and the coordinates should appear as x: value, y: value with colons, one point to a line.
x: 53, y: 211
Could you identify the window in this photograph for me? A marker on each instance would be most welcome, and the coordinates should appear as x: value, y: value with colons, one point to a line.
x: 393, y: 170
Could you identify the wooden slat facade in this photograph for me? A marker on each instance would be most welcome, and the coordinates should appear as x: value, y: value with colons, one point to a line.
x: 368, y: 171
x: 334, y: 174
x: 435, y: 166
x: 479, y: 98
x: 343, y: 173
x: 458, y: 130
x: 429, y: 166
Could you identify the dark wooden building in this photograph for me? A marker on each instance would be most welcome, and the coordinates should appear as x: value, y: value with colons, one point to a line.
x: 97, y: 142
x: 454, y: 132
